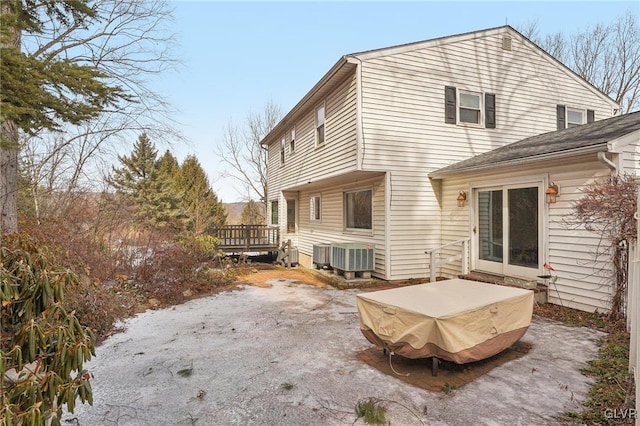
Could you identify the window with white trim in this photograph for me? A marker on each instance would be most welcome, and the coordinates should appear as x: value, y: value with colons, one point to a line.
x: 470, y: 107
x: 358, y: 207
x: 274, y: 212
x: 463, y: 107
x: 320, y: 125
x: 292, y: 142
x: 568, y: 117
x: 575, y: 117
x: 315, y: 208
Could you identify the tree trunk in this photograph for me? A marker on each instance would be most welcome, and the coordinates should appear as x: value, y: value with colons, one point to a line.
x: 9, y: 158
x: 8, y: 178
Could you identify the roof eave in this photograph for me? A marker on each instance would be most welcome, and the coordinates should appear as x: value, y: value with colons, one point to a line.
x: 327, y: 78
x: 618, y: 145
x: 557, y: 155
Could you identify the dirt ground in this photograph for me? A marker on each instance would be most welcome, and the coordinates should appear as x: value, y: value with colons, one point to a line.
x: 263, y: 278
x: 283, y: 352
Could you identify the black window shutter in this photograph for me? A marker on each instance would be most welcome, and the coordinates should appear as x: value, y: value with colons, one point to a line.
x: 591, y: 116
x: 450, y: 104
x: 489, y: 110
x: 560, y: 114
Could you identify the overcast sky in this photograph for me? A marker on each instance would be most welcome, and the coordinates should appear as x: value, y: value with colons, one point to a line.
x: 238, y: 56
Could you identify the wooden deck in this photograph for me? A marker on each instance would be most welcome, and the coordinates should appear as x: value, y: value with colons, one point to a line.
x: 247, y: 238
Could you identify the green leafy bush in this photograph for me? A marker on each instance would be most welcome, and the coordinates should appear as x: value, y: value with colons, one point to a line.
x: 42, y: 346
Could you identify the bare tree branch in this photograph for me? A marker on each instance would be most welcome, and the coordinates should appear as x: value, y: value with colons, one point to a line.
x: 128, y: 41
x: 242, y: 152
x: 606, y: 55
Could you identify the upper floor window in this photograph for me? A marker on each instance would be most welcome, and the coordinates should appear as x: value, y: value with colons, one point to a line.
x: 470, y: 108
x: 466, y: 107
x: 358, y: 207
x: 575, y: 117
x: 282, y: 146
x: 320, y: 125
x: 315, y: 208
x: 568, y: 117
x: 274, y: 212
x: 292, y: 142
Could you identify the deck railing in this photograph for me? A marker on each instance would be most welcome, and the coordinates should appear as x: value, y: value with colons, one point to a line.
x: 247, y: 238
x: 435, y: 261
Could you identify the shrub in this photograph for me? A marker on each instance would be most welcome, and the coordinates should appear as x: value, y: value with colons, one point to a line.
x: 184, y: 265
x: 372, y: 410
x: 42, y: 346
x: 96, y: 297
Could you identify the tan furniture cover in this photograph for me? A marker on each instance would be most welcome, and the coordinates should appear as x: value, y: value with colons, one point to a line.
x: 457, y: 320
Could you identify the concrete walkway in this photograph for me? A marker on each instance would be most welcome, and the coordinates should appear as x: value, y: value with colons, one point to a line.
x: 286, y: 355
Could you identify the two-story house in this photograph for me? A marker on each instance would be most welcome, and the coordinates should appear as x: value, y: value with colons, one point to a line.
x: 367, y: 155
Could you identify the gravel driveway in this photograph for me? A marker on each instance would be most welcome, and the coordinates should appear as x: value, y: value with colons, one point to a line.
x: 286, y: 355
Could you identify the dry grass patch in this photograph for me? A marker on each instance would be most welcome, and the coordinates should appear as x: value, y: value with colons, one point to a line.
x: 261, y: 278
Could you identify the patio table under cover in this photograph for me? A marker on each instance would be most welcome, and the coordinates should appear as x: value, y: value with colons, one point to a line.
x: 457, y: 320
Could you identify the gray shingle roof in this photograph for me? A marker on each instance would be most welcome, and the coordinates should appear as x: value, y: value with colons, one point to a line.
x: 591, y: 137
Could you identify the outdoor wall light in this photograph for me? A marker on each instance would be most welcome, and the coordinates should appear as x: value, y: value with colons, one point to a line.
x: 552, y: 193
x: 462, y: 198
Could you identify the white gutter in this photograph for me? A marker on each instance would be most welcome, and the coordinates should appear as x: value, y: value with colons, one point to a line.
x: 519, y: 161
x: 602, y: 157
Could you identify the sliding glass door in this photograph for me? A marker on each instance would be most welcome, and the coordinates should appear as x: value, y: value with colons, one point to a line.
x: 507, y: 230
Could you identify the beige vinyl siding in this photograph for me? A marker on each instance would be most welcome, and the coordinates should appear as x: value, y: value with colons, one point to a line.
x: 337, y: 155
x: 631, y: 159
x: 455, y: 225
x: 400, y: 109
x: 309, y: 162
x: 583, y: 275
x: 414, y: 224
x: 330, y: 229
x: 569, y: 248
x: 403, y: 101
x: 404, y: 130
x: 274, y: 170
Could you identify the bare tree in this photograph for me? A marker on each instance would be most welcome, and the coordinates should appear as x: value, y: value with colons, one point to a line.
x: 606, y: 55
x: 242, y: 152
x: 607, y: 209
x: 252, y: 214
x: 127, y: 41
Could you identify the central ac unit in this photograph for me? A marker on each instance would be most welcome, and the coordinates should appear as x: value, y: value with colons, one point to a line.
x: 352, y: 257
x: 322, y: 254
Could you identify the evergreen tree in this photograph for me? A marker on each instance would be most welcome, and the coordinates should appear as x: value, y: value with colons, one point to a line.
x: 137, y: 179
x: 138, y: 171
x: 253, y: 214
x: 170, y: 212
x: 41, y: 92
x: 168, y: 167
x: 199, y: 202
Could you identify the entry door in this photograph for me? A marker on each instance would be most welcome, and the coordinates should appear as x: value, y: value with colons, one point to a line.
x: 291, y: 216
x: 507, y: 230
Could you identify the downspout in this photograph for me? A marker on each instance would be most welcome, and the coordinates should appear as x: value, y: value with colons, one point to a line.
x: 602, y: 157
